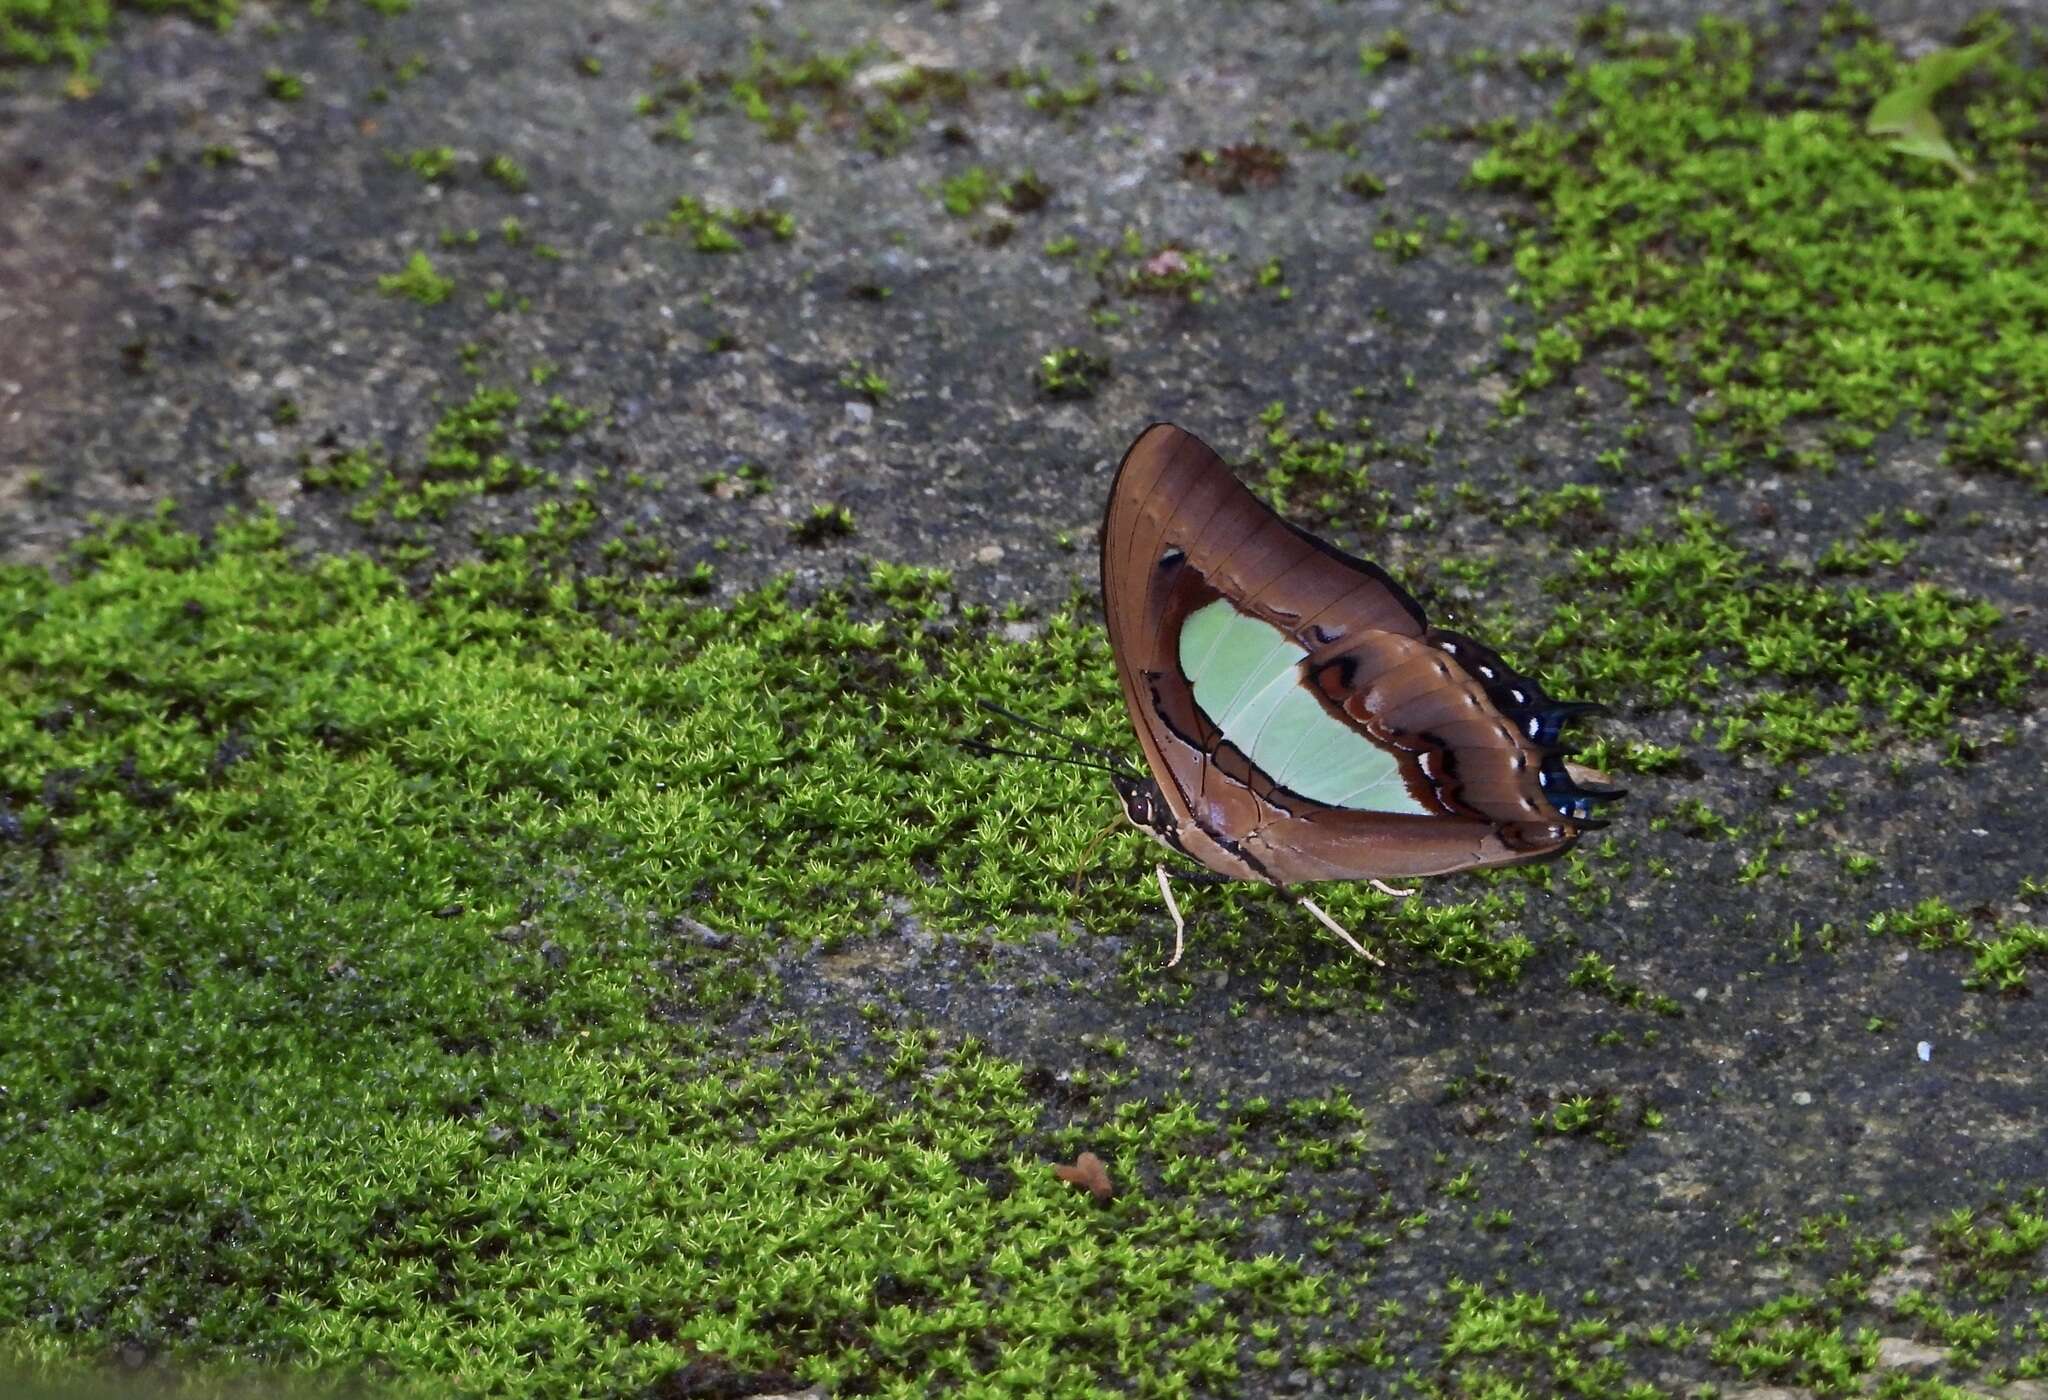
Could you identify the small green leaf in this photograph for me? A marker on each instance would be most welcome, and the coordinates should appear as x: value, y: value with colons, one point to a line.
x: 1906, y: 113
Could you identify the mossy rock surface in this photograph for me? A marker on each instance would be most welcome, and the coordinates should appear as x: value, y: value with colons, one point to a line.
x: 506, y: 514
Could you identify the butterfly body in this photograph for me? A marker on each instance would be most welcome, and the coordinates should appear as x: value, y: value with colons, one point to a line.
x: 1300, y: 719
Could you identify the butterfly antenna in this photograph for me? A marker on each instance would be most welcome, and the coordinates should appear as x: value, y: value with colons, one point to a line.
x: 1081, y: 744
x: 982, y: 746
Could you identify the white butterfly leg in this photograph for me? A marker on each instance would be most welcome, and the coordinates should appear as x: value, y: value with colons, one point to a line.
x: 1333, y: 926
x: 1384, y: 888
x: 1172, y: 907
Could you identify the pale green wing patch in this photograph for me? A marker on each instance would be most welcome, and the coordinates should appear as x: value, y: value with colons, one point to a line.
x: 1247, y: 679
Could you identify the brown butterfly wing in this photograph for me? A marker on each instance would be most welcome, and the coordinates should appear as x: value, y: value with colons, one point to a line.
x: 1182, y: 532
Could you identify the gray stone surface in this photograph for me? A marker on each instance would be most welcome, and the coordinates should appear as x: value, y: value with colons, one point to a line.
x: 159, y: 303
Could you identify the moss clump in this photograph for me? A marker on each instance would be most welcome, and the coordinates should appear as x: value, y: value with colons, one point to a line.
x: 1046, y: 92
x: 1780, y: 665
x: 470, y: 451
x: 1071, y: 372
x: 1364, y: 184
x: 2001, y: 949
x: 1773, y: 265
x: 884, y: 116
x: 507, y: 172
x: 71, y: 31
x: 1390, y: 47
x: 714, y: 230
x: 824, y: 523
x: 765, y: 91
x: 966, y: 192
x: 433, y: 164
x: 870, y: 384
x: 419, y: 281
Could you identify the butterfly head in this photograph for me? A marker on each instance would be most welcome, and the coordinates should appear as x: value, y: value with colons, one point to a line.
x: 1144, y: 804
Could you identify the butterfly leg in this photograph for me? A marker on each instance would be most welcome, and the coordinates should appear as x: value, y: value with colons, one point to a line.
x: 1172, y: 907
x: 1333, y: 926
x: 1384, y: 888
x: 1089, y: 854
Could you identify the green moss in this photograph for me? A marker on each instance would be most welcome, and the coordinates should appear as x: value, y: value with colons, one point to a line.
x: 1319, y: 472
x: 72, y: 31
x: 1071, y: 372
x: 870, y: 384
x: 1978, y: 1301
x: 418, y: 280
x: 765, y: 90
x: 714, y: 230
x: 966, y: 192
x: 2001, y: 949
x: 1994, y: 1249
x: 825, y: 522
x: 1272, y: 276
x: 1584, y: 507
x: 1773, y: 662
x: 467, y: 453
x: 359, y: 1011
x: 434, y: 164
x: 1391, y: 47
x: 1797, y: 1340
x: 1772, y: 265
x: 1046, y: 92
x: 772, y: 90
x: 1365, y: 184
x: 506, y: 172
x: 1604, y: 1118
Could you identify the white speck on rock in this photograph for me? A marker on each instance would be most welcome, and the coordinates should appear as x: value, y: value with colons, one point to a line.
x: 1925, y: 1050
x: 860, y: 413
x: 989, y: 554
x: 1802, y: 1097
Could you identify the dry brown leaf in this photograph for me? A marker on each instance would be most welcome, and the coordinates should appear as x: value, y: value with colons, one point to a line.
x: 1089, y: 1174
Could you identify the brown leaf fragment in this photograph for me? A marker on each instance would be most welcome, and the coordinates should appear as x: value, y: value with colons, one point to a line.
x: 1089, y: 1174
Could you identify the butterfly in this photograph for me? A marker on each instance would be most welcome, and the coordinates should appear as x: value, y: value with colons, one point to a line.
x: 1300, y: 719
